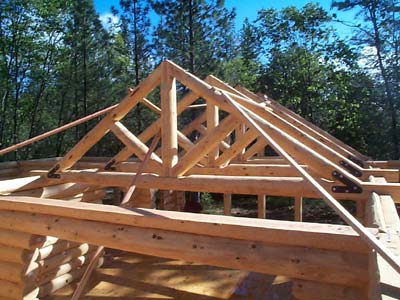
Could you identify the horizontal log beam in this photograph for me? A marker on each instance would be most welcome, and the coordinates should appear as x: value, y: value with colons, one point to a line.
x: 321, y: 236
x: 309, y: 290
x: 246, y: 185
x: 296, y: 262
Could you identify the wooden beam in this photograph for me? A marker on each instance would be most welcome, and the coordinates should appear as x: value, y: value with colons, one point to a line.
x: 151, y: 105
x: 123, y: 108
x: 254, y: 149
x: 204, y: 146
x: 212, y: 123
x: 298, y: 209
x: 331, y: 201
x: 133, y: 143
x: 300, y: 122
x: 227, y: 204
x: 311, y: 290
x: 237, y: 148
x: 261, y: 206
x: 294, y: 262
x: 319, y: 236
x: 169, y: 125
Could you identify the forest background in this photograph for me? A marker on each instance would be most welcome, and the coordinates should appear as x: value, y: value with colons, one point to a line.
x: 59, y: 62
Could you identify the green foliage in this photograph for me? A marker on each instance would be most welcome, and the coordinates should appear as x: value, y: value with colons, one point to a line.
x: 59, y: 63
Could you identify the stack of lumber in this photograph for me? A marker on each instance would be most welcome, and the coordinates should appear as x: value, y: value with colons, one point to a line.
x: 34, y: 266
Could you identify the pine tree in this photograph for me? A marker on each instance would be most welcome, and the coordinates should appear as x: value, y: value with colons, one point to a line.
x: 196, y: 34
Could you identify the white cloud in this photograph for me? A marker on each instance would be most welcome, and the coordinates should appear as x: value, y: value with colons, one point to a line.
x: 368, y: 59
x: 109, y: 21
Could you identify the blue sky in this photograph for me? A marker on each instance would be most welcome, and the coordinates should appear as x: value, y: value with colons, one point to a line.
x: 248, y: 9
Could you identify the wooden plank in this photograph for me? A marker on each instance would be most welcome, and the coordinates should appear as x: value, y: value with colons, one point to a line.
x: 321, y: 236
x: 212, y: 122
x: 74, y: 264
x: 123, y: 108
x: 304, y: 124
x: 17, y: 291
x: 296, y: 262
x: 26, y: 183
x: 20, y: 239
x: 59, y: 282
x: 298, y: 209
x: 227, y: 204
x: 18, y: 273
x: 57, y: 260
x: 17, y: 255
x: 261, y: 206
x: 56, y: 130
x: 254, y: 149
x: 169, y: 135
x: 57, y: 248
x: 135, y: 144
x: 237, y: 148
x: 331, y: 201
x: 274, y: 186
x: 309, y: 290
x: 58, y: 191
x: 204, y: 146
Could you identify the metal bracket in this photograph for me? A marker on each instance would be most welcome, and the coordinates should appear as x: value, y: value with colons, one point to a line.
x: 52, y: 173
x: 109, y: 166
x: 351, y: 169
x: 349, y: 186
x: 356, y: 161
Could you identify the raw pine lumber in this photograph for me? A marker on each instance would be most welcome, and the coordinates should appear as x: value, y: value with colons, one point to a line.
x: 120, y: 111
x: 329, y: 199
x: 204, y: 146
x: 17, y: 291
x: 22, y: 239
x: 310, y: 290
x: 55, y: 261
x: 298, y: 209
x: 227, y: 204
x: 131, y: 141
x: 55, y: 249
x: 261, y: 206
x: 124, y: 203
x: 68, y: 267
x: 169, y: 119
x: 320, y: 236
x: 57, y: 130
x: 296, y: 262
x: 212, y: 122
x: 18, y: 273
x: 17, y: 255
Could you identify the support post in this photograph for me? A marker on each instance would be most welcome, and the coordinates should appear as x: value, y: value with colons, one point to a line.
x: 227, y: 204
x: 261, y: 205
x: 169, y: 126
x: 212, y: 122
x: 298, y: 209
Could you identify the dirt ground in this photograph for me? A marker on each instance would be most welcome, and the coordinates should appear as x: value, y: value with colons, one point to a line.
x: 127, y: 276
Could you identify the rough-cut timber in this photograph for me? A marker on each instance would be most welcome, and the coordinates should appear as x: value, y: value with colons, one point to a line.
x: 46, y: 243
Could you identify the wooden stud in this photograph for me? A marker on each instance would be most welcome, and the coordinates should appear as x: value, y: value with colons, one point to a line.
x: 261, y: 206
x: 168, y: 120
x: 237, y: 148
x: 132, y: 142
x: 298, y: 209
x: 212, y: 123
x: 227, y: 204
x: 204, y: 146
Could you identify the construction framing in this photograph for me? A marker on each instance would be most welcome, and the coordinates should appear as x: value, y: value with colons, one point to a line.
x: 325, y: 261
